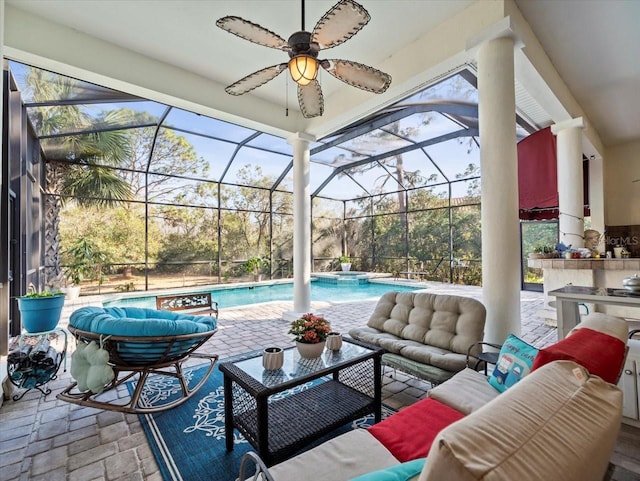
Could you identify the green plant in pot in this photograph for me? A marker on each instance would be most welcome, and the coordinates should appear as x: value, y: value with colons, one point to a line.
x: 84, y: 258
x: 255, y: 265
x: 345, y: 263
x: 40, y: 311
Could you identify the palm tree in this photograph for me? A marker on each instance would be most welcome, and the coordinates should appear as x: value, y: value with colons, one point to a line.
x: 77, y: 165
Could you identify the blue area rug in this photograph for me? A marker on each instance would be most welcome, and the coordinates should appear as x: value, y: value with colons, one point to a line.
x: 188, y: 441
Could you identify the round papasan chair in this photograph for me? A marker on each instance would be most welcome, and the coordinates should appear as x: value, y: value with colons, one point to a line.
x: 146, y: 343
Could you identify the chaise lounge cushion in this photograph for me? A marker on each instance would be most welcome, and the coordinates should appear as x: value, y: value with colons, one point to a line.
x: 551, y: 438
x: 340, y: 458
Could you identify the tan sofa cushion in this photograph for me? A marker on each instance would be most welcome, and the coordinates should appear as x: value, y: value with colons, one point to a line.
x: 558, y: 423
x: 452, y: 323
x: 466, y: 392
x: 349, y: 455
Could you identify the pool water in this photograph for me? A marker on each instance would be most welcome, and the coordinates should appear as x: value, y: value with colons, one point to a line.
x: 239, y: 296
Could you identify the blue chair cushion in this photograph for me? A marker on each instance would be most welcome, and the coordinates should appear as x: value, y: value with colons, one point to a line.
x: 138, y: 322
x: 135, y: 322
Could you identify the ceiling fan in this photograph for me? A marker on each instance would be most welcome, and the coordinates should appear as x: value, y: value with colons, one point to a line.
x: 338, y: 25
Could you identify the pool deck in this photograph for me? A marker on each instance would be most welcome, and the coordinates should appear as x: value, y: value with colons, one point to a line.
x: 43, y: 438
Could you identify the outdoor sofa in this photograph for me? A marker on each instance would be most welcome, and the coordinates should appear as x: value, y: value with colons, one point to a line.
x: 427, y: 335
x: 560, y: 422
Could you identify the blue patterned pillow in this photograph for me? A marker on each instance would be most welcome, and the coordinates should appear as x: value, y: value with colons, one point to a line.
x: 514, y: 362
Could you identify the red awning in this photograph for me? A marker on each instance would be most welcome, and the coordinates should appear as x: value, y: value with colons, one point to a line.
x: 538, y: 177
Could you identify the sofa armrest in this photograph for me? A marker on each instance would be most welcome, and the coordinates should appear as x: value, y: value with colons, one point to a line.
x: 473, y: 349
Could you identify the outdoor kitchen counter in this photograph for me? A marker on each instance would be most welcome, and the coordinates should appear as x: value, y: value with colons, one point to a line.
x: 558, y: 273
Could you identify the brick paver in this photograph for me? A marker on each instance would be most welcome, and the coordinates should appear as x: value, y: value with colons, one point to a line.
x: 49, y: 439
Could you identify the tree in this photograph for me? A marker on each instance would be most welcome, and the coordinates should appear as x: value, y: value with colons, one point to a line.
x: 247, y: 228
x: 71, y: 161
x: 173, y: 157
x: 118, y: 233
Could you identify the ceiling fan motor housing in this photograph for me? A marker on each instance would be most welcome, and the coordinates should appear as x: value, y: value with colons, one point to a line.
x: 301, y: 44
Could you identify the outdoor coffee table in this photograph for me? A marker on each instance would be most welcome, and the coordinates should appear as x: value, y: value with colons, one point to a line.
x: 326, y: 393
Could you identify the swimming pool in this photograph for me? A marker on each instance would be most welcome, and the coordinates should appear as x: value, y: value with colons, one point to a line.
x: 239, y: 296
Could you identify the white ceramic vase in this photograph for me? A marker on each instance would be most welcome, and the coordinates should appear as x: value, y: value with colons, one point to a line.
x: 272, y: 358
x: 334, y: 341
x: 310, y: 351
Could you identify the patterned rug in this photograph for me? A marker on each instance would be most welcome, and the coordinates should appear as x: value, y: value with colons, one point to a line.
x: 188, y: 441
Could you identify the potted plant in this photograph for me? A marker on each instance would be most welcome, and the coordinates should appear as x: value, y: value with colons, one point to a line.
x: 541, y: 251
x: 310, y: 334
x: 75, y: 274
x: 83, y: 256
x: 345, y: 263
x: 40, y: 311
x: 254, y: 266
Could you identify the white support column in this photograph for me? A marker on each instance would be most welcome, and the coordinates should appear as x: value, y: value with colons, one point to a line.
x: 301, y: 227
x: 499, y: 172
x: 570, y: 181
x: 596, y: 197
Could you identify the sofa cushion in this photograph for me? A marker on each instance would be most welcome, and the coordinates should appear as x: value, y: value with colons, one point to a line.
x: 601, y: 354
x: 344, y: 457
x: 514, y: 362
x: 558, y: 423
x: 466, y: 392
x: 447, y: 360
x: 433, y: 374
x: 448, y: 322
x: 408, y: 434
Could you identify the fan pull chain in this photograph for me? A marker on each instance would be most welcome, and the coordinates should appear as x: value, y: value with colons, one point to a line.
x: 286, y: 104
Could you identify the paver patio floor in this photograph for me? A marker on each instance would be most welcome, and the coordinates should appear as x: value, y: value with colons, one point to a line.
x: 43, y: 438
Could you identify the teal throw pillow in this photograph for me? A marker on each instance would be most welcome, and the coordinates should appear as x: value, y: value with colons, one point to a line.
x: 514, y: 362
x: 399, y: 472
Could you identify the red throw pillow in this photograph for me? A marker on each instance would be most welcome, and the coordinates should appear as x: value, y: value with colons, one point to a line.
x: 599, y: 353
x: 409, y: 433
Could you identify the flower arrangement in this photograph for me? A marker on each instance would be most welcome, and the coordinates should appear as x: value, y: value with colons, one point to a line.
x: 310, y: 329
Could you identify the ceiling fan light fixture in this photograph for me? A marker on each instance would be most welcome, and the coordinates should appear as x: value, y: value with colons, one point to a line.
x: 303, y: 69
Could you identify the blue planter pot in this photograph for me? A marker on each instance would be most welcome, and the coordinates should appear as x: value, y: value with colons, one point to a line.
x: 40, y: 314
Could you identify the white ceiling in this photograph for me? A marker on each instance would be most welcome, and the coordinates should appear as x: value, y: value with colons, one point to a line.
x: 593, y: 45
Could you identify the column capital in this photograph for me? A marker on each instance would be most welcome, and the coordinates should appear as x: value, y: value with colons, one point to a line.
x: 303, y: 136
x: 504, y: 28
x: 577, y: 123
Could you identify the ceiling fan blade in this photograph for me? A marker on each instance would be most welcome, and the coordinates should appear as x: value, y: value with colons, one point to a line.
x: 256, y: 79
x: 358, y: 75
x: 311, y: 100
x: 339, y: 24
x: 252, y: 32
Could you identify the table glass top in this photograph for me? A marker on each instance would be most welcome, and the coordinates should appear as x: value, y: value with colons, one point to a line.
x: 295, y: 367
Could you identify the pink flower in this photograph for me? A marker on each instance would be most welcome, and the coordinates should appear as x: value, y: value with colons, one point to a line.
x: 310, y: 329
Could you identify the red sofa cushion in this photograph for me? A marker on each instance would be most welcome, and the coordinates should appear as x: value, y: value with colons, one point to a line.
x: 602, y: 355
x: 409, y: 433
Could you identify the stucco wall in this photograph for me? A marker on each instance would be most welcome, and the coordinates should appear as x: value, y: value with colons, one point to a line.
x: 621, y: 194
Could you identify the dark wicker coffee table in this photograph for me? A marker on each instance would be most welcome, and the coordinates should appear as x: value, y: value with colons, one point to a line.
x: 326, y: 393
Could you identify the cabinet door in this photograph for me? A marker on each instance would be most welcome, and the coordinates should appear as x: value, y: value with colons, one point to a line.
x: 629, y: 386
